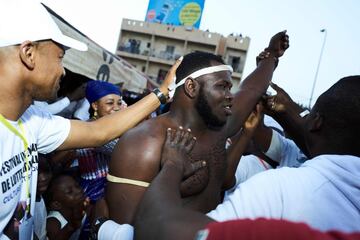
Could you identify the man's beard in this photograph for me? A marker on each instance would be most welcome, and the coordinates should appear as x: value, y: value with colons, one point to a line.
x: 203, y: 108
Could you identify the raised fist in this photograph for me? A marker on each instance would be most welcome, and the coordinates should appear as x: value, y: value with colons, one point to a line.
x: 278, y: 44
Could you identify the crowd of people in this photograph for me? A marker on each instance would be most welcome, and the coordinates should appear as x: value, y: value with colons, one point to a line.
x: 213, y: 165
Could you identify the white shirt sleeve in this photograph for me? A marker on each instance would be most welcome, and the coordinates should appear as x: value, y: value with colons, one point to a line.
x: 111, y: 230
x: 55, y: 107
x: 49, y: 130
x: 82, y: 110
x: 259, y: 196
x: 276, y: 147
x: 285, y: 151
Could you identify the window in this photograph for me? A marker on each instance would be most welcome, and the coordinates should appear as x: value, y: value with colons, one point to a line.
x: 168, y: 54
x: 235, y: 63
x: 170, y: 49
x: 161, y: 76
x: 134, y: 46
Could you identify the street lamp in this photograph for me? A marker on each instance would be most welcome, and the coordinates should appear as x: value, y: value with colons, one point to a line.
x: 318, y: 66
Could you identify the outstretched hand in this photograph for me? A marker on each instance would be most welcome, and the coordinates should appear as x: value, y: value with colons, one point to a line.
x: 278, y: 44
x: 170, y: 76
x: 254, y: 118
x: 279, y: 102
x: 178, y: 145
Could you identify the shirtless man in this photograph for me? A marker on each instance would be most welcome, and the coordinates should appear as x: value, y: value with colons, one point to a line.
x: 204, y: 104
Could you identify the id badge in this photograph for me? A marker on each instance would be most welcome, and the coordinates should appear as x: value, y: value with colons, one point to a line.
x: 26, y: 229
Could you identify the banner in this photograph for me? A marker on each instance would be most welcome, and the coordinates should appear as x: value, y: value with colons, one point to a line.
x: 175, y: 12
x: 97, y: 63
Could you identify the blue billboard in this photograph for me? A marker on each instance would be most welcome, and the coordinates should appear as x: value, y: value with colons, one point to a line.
x: 175, y: 12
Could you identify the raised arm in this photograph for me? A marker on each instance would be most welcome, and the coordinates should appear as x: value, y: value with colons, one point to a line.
x: 288, y: 114
x: 255, y: 85
x: 96, y: 133
x: 239, y: 144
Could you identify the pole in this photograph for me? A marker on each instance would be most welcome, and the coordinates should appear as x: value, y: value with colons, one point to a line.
x: 318, y: 66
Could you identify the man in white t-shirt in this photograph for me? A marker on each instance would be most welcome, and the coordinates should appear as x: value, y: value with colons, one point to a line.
x: 324, y: 191
x: 31, y: 51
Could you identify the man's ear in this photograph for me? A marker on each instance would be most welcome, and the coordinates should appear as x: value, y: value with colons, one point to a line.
x: 55, y: 205
x: 316, y: 122
x: 191, y: 87
x: 27, y: 54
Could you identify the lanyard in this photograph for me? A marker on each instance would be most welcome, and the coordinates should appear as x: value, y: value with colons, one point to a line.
x: 26, y: 145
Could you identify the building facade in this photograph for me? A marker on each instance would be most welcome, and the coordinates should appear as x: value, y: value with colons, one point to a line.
x: 153, y: 48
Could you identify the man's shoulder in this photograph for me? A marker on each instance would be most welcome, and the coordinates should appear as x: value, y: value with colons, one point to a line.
x: 31, y: 112
x: 35, y: 119
x: 139, y: 149
x: 151, y: 129
x: 143, y: 139
x: 35, y: 113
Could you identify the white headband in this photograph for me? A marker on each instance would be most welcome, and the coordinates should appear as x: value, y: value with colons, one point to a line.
x: 173, y: 86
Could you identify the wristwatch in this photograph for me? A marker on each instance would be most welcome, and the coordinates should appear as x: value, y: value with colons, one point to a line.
x: 160, y: 95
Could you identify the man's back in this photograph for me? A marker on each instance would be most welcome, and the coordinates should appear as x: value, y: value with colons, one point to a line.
x: 323, y: 192
x: 137, y: 157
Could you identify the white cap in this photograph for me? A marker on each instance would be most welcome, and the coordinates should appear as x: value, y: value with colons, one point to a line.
x: 22, y: 20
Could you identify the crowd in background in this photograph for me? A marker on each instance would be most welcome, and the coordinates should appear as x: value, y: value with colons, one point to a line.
x: 82, y: 159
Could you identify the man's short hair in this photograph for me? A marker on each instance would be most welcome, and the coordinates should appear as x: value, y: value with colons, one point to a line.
x: 195, y: 61
x: 340, y: 108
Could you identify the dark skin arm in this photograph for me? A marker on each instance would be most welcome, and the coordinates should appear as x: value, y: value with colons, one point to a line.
x: 286, y: 112
x: 131, y: 161
x: 254, y: 86
x: 262, y: 136
x: 250, y: 92
x: 151, y: 221
x: 239, y: 144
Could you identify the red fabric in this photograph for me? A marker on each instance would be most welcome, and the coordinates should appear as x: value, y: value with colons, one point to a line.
x: 264, y: 229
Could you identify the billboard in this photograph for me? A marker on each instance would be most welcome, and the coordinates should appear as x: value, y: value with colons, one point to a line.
x: 175, y: 12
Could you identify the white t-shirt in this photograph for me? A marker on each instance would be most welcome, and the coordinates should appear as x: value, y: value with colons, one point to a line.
x: 111, y: 230
x: 281, y: 149
x: 324, y: 192
x: 44, y: 133
x: 250, y: 165
x: 285, y: 151
x: 54, y: 107
x: 40, y: 215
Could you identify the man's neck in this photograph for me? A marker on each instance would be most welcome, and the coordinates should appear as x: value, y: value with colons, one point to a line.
x: 14, y: 100
x: 13, y: 110
x: 187, y: 118
x: 334, y: 149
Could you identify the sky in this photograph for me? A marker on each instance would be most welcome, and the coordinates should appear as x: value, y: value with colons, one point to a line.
x: 259, y: 20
